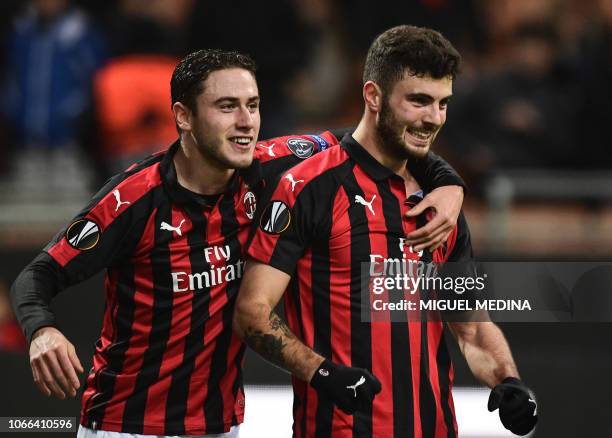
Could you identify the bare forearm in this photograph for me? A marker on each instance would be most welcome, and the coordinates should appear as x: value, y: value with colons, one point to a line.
x: 266, y: 333
x: 486, y: 352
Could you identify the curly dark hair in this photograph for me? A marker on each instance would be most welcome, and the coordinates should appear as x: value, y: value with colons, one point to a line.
x: 189, y: 75
x: 417, y: 50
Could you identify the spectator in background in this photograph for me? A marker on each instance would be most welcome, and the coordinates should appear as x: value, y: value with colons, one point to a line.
x: 521, y: 114
x: 593, y: 63
x: 53, y: 52
x: 145, y: 41
x: 275, y: 34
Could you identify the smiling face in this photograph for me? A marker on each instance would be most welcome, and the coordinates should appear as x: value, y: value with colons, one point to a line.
x: 226, y: 122
x: 412, y: 114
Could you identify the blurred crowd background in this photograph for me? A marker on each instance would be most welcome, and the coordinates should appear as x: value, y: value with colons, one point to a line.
x: 84, y: 91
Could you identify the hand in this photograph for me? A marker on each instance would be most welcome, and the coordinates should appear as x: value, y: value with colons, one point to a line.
x: 351, y: 389
x: 446, y: 203
x: 54, y: 363
x: 517, y: 406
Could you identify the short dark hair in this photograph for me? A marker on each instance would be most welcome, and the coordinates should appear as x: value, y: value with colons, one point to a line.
x: 189, y: 75
x: 417, y: 50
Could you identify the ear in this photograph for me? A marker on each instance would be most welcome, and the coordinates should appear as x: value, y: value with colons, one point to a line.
x: 182, y: 116
x: 372, y: 96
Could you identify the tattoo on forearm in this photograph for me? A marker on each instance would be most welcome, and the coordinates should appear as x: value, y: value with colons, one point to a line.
x: 271, y: 343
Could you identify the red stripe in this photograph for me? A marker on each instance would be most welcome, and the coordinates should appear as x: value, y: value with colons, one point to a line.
x: 105, y: 211
x: 451, y: 378
x: 198, y: 384
x: 340, y: 302
x: 263, y: 244
x: 414, y: 326
x: 107, y: 337
x: 382, y: 408
x: 305, y: 288
x: 155, y: 410
x: 218, y: 302
x: 141, y: 327
x: 293, y: 320
x: 434, y: 335
x: 414, y: 332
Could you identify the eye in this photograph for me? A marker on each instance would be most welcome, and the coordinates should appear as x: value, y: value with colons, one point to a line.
x: 419, y: 101
x: 227, y: 107
x: 253, y: 107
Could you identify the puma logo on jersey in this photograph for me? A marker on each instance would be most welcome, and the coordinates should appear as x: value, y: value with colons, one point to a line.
x: 118, y: 198
x: 360, y: 200
x: 293, y: 181
x: 535, y: 411
x: 269, y: 148
x: 167, y: 227
x: 360, y: 382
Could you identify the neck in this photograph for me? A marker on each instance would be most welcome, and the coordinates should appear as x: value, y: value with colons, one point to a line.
x: 367, y: 136
x: 197, y: 172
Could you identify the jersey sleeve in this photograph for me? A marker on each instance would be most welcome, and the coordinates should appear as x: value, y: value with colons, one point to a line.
x: 281, y: 153
x: 286, y: 225
x: 99, y: 236
x: 460, y: 242
x: 432, y: 171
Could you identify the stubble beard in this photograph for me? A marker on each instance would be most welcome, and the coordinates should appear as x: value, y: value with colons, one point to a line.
x: 212, y: 150
x: 390, y: 131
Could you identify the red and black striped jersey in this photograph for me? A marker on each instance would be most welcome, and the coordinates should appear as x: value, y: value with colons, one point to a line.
x: 167, y: 362
x: 326, y: 219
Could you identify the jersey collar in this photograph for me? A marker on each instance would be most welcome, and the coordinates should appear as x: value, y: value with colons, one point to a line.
x: 250, y: 176
x: 367, y: 162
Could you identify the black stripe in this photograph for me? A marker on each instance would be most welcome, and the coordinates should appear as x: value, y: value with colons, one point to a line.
x: 321, y: 315
x: 135, y: 405
x: 361, y: 336
x: 124, y: 301
x: 298, y: 404
x: 401, y: 365
x: 427, y: 401
x: 238, y: 385
x: 105, y: 377
x: 444, y: 363
x: 178, y: 393
x: 213, y: 405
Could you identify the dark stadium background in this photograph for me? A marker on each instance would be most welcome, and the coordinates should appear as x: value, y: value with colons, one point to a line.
x: 528, y: 128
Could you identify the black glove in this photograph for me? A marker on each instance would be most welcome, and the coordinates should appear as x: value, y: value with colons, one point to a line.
x: 517, y: 406
x: 351, y: 389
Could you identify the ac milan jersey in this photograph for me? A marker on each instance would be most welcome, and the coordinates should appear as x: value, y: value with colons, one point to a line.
x: 325, y: 219
x: 166, y: 362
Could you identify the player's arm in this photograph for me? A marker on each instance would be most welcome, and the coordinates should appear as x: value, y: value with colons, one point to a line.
x: 53, y: 358
x: 445, y: 191
x: 485, y: 349
x: 256, y: 322
x: 281, y: 234
x: 88, y: 244
x: 262, y: 329
x: 488, y: 356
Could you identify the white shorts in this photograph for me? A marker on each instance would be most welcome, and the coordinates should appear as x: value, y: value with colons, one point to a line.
x: 85, y: 432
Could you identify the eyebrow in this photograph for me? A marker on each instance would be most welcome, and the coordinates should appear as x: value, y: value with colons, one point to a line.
x: 231, y: 99
x: 423, y: 96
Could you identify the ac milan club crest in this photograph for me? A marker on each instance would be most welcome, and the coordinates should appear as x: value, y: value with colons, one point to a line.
x: 250, y: 204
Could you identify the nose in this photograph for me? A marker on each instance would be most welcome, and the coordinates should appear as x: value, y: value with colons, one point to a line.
x: 434, y: 115
x: 245, y: 118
